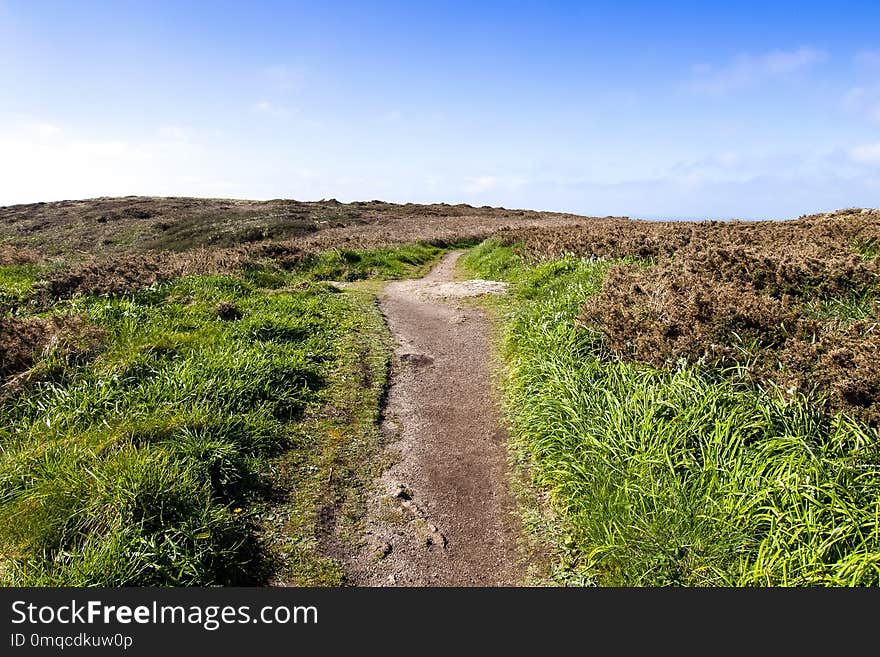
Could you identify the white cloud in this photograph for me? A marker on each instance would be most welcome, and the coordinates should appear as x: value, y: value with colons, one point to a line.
x: 780, y: 62
x: 728, y: 183
x: 172, y: 132
x: 277, y: 82
x: 284, y: 78
x: 44, y: 131
x: 739, y: 167
x: 269, y: 108
x: 482, y: 184
x: 746, y: 70
x: 48, y: 161
x: 864, y: 100
x: 692, y: 196
x: 42, y: 161
x: 854, y: 98
x: 726, y: 165
x: 868, y: 154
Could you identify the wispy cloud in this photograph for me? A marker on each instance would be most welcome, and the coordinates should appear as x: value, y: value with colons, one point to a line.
x: 863, y: 100
x: 743, y: 166
x: 269, y: 108
x: 747, y: 70
x: 482, y: 184
x: 172, y: 132
x: 867, y: 154
x: 284, y: 78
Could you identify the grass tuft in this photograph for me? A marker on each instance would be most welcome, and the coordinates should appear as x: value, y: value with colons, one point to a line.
x: 197, y: 440
x: 680, y: 476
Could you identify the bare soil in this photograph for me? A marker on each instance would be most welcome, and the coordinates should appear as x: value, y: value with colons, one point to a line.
x: 442, y: 514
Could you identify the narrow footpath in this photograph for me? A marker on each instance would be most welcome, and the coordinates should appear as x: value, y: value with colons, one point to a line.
x: 442, y: 514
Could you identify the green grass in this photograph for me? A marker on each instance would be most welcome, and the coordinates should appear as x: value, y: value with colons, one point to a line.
x: 198, y: 450
x: 867, y: 248
x: 326, y: 483
x: 17, y: 283
x: 685, y: 477
x: 389, y: 263
x: 843, y: 309
x: 223, y: 229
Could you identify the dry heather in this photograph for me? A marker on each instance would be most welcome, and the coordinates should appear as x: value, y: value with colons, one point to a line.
x: 117, y: 274
x: 844, y: 362
x: 723, y: 293
x: 24, y: 340
x: 660, y: 316
x: 761, y: 295
x: 17, y: 255
x: 118, y: 245
x: 146, y: 224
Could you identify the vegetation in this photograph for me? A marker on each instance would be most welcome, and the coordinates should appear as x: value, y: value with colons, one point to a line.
x: 691, y: 473
x: 114, y: 227
x: 187, y: 399
x: 184, y: 401
x: 192, y: 432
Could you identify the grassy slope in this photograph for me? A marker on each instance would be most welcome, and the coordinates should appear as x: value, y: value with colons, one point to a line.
x: 130, y: 225
x: 220, y: 435
x: 688, y: 477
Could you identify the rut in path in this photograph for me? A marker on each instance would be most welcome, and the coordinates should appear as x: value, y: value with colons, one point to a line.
x: 442, y: 514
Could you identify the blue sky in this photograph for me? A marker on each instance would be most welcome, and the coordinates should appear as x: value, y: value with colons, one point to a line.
x: 751, y: 110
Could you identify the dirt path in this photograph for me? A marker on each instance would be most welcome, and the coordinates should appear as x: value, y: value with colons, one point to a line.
x: 442, y: 515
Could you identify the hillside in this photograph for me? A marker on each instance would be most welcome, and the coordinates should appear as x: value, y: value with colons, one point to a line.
x: 196, y: 391
x: 140, y: 224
